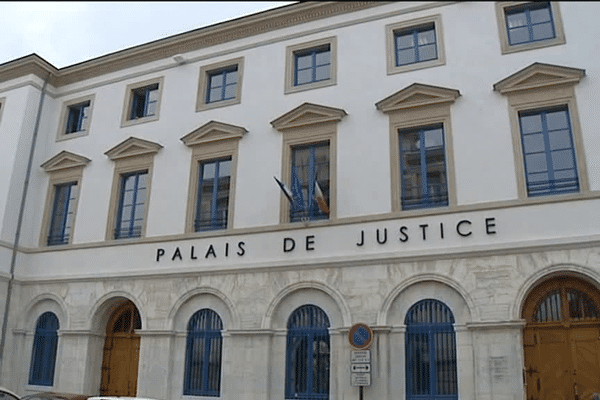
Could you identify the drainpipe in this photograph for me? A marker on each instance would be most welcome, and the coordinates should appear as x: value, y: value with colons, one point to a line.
x: 15, y: 246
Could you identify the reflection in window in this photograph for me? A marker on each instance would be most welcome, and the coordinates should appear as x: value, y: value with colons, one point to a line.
x: 310, y: 178
x: 214, y: 178
x: 423, y: 167
x: 415, y: 45
x: 130, y: 216
x: 77, y: 119
x: 222, y: 85
x: 61, y: 221
x: 549, y: 153
x: 312, y: 65
x: 529, y: 23
x: 143, y: 101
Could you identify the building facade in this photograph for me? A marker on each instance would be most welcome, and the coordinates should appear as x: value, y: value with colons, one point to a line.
x: 437, y: 179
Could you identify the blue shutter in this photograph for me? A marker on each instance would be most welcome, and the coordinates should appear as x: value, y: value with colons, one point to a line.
x: 431, y: 372
x: 43, y: 355
x: 307, y: 352
x: 203, y: 354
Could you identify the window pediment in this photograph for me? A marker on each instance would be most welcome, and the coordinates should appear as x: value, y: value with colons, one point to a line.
x: 133, y: 147
x: 539, y: 75
x: 64, y: 160
x: 308, y: 114
x: 213, y: 131
x: 417, y: 95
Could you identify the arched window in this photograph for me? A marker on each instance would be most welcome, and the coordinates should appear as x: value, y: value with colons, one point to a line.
x: 203, y: 354
x: 307, y: 366
x: 43, y: 354
x: 430, y: 352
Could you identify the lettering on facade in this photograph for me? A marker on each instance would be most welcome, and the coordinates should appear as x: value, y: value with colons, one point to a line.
x: 463, y: 228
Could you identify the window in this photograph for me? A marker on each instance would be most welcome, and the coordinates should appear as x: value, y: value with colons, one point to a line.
x: 43, y: 354
x: 213, y: 194
x: 127, y: 215
x: 309, y: 175
x: 65, y: 171
x: 75, y: 118
x: 78, y: 117
x: 212, y: 176
x: 309, y: 161
x: 414, y: 44
x: 61, y: 222
x: 430, y: 352
x: 308, y: 347
x: 130, y: 214
x: 548, y: 151
x: 142, y: 102
x: 546, y: 134
x: 421, y: 147
x: 203, y: 354
x: 311, y: 65
x: 529, y: 25
x: 220, y: 84
x: 423, y: 164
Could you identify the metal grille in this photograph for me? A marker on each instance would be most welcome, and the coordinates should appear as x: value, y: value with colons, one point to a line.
x: 549, y: 309
x: 203, y: 354
x: 43, y: 356
x: 430, y: 352
x: 308, y: 349
x: 578, y: 304
x: 581, y: 306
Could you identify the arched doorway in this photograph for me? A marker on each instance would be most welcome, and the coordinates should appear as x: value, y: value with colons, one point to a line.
x: 121, y: 352
x: 561, y: 340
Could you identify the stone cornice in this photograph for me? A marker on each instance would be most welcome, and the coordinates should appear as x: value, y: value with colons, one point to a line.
x: 255, y: 24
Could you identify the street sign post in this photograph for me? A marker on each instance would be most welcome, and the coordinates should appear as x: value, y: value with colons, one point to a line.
x: 360, y: 337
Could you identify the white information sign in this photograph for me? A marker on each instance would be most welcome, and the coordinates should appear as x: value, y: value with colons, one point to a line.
x: 360, y: 356
x: 360, y: 368
x: 361, y: 379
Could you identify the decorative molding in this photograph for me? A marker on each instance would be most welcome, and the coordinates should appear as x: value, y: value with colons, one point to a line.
x: 213, y: 35
x: 308, y: 114
x: 213, y: 131
x: 416, y: 95
x: 539, y: 75
x: 64, y: 160
x: 133, y: 147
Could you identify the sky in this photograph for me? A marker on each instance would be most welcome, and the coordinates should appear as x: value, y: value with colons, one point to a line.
x: 66, y: 33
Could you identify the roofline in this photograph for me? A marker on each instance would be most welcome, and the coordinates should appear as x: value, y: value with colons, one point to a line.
x: 222, y: 32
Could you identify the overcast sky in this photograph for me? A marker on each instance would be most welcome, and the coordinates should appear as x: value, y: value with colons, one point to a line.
x: 66, y: 33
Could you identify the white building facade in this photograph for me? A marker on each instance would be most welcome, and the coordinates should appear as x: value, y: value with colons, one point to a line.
x: 443, y: 173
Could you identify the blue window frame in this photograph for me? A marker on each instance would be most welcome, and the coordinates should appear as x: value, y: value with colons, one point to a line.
x: 423, y: 167
x: 43, y: 355
x: 529, y: 23
x: 130, y: 213
x: 310, y: 172
x: 430, y: 352
x: 143, y: 101
x: 222, y: 84
x: 307, y: 365
x: 203, y: 354
x: 312, y: 65
x: 78, y: 117
x: 61, y: 220
x: 548, y: 151
x: 416, y: 44
x: 214, y: 178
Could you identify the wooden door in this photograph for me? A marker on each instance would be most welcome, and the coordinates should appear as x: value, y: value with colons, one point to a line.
x: 562, y: 341
x: 121, y: 352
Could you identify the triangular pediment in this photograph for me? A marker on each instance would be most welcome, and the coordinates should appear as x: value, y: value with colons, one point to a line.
x: 308, y: 114
x: 63, y: 160
x: 133, y: 147
x: 213, y: 131
x: 417, y: 95
x: 539, y: 75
